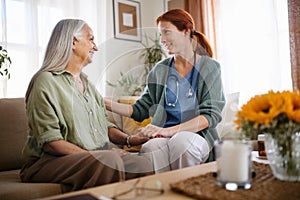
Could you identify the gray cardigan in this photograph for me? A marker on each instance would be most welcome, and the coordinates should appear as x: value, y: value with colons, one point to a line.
x: 210, y: 97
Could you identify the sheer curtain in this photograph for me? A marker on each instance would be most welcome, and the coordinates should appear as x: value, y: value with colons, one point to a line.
x: 253, y: 46
x: 26, y: 26
x: 251, y: 41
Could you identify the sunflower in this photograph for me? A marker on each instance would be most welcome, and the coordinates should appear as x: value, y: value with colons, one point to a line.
x: 261, y: 109
x: 270, y: 112
x: 292, y: 105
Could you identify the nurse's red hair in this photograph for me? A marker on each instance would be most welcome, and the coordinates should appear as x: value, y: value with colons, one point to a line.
x: 184, y: 21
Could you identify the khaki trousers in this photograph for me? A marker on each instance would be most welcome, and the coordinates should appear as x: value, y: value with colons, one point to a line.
x: 85, y: 170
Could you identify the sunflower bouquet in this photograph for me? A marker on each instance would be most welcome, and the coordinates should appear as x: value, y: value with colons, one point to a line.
x: 276, y: 113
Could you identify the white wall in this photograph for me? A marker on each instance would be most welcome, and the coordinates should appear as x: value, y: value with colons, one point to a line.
x: 117, y: 55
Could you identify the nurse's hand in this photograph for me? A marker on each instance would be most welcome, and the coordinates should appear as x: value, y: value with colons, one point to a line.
x: 153, y: 131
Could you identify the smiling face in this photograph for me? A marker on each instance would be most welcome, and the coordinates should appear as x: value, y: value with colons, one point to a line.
x: 84, y: 47
x: 172, y: 39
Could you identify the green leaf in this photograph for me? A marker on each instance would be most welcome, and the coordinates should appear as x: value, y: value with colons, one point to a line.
x: 5, y: 63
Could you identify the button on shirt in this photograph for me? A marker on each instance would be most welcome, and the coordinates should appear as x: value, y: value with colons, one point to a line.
x: 57, y: 110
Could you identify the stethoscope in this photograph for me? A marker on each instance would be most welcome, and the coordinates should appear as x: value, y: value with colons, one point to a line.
x: 189, y: 93
x: 177, y: 90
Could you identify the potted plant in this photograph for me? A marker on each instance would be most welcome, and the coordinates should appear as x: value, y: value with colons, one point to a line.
x: 133, y: 85
x: 5, y: 63
x: 152, y: 54
x: 127, y: 85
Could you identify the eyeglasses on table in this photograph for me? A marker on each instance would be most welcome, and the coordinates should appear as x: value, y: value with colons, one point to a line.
x: 148, y: 189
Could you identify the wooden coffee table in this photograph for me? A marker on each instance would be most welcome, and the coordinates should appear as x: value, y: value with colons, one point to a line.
x: 107, y: 191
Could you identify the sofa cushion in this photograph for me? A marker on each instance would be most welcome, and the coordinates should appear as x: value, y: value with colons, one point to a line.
x: 13, y: 132
x: 227, y: 128
x: 12, y: 188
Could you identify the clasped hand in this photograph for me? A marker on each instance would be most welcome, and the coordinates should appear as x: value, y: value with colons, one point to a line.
x: 138, y: 139
x: 152, y: 131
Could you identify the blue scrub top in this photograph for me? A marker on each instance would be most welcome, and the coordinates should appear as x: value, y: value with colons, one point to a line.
x: 185, y: 106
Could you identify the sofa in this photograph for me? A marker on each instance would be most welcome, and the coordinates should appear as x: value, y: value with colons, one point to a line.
x: 13, y: 134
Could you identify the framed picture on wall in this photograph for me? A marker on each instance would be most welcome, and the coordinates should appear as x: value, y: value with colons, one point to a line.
x: 127, y: 20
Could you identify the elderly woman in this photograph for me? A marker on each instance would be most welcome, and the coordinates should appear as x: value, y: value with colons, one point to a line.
x: 70, y: 137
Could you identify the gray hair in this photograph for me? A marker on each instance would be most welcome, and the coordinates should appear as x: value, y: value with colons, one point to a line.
x: 59, y: 48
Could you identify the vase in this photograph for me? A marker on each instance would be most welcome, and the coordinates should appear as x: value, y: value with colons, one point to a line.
x: 284, y: 156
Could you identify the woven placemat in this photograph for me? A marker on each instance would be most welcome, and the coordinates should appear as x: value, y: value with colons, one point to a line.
x: 264, y: 186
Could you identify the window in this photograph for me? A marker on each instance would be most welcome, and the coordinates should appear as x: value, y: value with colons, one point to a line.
x: 25, y: 28
x: 253, y: 46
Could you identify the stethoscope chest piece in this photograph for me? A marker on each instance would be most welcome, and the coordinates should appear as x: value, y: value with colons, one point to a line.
x: 189, y: 93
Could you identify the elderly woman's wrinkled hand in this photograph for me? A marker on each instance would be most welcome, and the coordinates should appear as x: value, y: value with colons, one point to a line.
x: 137, y: 139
